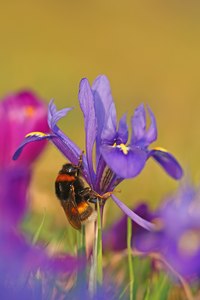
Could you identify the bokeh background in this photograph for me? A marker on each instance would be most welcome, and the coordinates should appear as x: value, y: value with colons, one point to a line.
x: 148, y: 49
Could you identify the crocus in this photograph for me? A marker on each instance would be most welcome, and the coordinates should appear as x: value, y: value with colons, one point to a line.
x: 115, y: 159
x: 19, y: 113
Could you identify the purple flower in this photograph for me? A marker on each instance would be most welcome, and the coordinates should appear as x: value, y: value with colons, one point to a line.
x: 115, y: 159
x: 177, y: 236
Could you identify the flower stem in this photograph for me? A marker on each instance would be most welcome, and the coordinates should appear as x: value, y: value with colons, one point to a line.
x: 130, y: 259
x: 99, y: 247
x: 96, y: 272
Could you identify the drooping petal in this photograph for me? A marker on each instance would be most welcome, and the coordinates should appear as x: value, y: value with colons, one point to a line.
x: 125, y: 162
x: 115, y: 237
x: 137, y: 219
x: 138, y: 123
x: 31, y: 137
x: 102, y: 102
x: 167, y: 161
x: 108, y: 134
x: 151, y: 133
x: 87, y: 105
x: 123, y: 130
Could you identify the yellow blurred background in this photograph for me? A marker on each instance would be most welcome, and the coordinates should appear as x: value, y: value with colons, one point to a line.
x: 150, y: 51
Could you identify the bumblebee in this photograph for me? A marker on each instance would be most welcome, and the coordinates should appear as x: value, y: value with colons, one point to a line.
x: 74, y: 196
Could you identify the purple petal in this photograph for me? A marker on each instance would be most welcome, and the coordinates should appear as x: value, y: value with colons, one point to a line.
x: 115, y: 237
x: 167, y: 161
x: 123, y: 130
x: 110, y: 128
x: 137, y: 219
x: 87, y: 106
x: 124, y: 165
x: 31, y: 137
x: 54, y: 116
x: 138, y: 122
x: 102, y: 102
x: 151, y: 134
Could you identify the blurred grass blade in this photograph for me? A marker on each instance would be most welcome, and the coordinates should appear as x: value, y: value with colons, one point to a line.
x: 99, y: 247
x: 38, y: 231
x: 130, y: 259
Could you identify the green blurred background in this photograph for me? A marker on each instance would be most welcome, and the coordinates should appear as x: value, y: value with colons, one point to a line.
x: 148, y: 49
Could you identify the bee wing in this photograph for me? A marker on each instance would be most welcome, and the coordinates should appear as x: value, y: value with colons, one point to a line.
x: 71, y: 210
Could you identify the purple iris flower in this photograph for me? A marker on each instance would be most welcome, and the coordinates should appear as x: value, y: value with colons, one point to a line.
x: 115, y: 160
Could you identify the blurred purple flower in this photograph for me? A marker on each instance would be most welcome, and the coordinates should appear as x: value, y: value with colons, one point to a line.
x: 177, y: 237
x: 114, y: 159
x: 20, y: 261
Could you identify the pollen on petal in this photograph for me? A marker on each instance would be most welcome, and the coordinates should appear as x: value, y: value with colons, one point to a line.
x: 160, y: 149
x: 36, y: 133
x: 123, y: 148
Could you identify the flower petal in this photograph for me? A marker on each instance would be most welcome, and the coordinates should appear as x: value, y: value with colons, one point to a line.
x: 54, y: 116
x: 87, y: 105
x: 125, y: 165
x: 167, y: 161
x: 102, y: 102
x: 138, y: 123
x: 31, y: 137
x: 137, y: 219
x: 110, y: 128
x: 123, y: 130
x: 151, y: 134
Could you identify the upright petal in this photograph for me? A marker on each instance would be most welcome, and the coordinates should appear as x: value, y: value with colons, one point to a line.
x: 102, y: 102
x: 167, y: 161
x: 151, y: 133
x: 109, y: 132
x: 122, y: 133
x: 138, y: 123
x: 87, y: 106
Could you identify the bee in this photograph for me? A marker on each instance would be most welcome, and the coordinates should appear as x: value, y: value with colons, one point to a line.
x: 74, y: 196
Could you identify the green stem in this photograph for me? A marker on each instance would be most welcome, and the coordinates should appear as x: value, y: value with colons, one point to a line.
x: 130, y: 259
x: 99, y: 247
x: 96, y: 272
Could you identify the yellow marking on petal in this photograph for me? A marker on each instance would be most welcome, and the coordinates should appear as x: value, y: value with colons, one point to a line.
x: 124, y: 148
x: 29, y: 111
x: 160, y: 149
x: 36, y: 133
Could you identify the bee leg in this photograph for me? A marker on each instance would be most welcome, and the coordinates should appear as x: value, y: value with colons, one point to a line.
x: 80, y: 164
